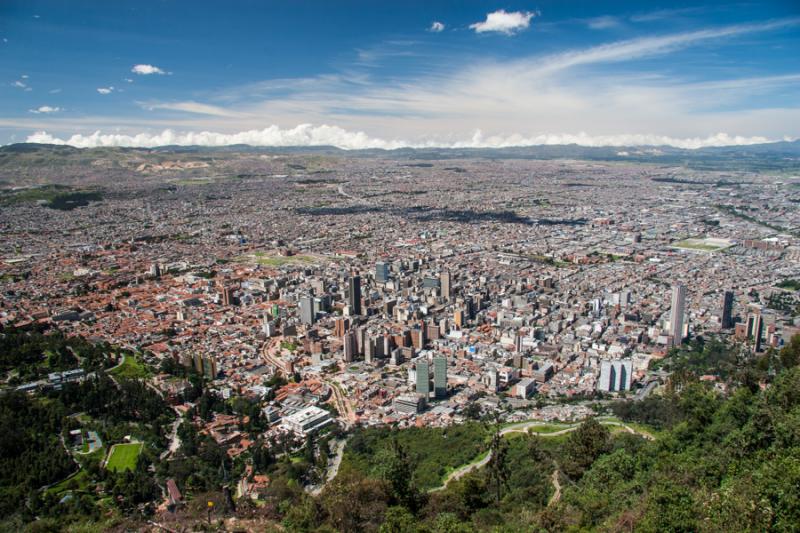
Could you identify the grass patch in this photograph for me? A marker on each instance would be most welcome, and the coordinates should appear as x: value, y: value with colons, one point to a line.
x: 549, y: 428
x: 78, y: 482
x: 265, y: 259
x: 696, y: 244
x: 124, y: 456
x: 131, y: 368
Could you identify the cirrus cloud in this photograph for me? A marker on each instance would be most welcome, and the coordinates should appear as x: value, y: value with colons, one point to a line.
x: 501, y: 21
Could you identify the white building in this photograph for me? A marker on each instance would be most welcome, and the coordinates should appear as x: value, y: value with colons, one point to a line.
x: 308, y: 420
x: 676, y: 313
x: 524, y: 388
x: 615, y: 375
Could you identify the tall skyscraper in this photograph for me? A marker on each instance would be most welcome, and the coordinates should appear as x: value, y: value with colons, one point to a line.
x: 624, y: 299
x: 727, y: 310
x: 444, y: 285
x: 354, y: 295
x: 307, y: 314
x: 440, y: 377
x: 381, y: 272
x: 676, y: 313
x: 615, y: 375
x: 755, y: 328
x: 227, y: 296
x: 423, y: 379
x: 350, y: 346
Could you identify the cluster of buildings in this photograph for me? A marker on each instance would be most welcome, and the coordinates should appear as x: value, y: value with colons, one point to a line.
x: 403, y: 293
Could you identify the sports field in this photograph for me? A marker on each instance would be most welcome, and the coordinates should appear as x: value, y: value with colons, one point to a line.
x: 124, y: 456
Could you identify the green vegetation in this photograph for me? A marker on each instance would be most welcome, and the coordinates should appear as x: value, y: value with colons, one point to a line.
x: 697, y: 244
x: 265, y: 259
x: 790, y: 284
x: 33, y: 445
x: 720, y: 463
x: 699, y: 357
x: 54, y: 196
x: 33, y: 353
x: 130, y: 368
x: 433, y: 451
x: 288, y: 345
x: 549, y: 428
x: 124, y: 456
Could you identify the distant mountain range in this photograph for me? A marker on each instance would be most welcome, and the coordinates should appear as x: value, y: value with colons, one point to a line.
x: 768, y: 156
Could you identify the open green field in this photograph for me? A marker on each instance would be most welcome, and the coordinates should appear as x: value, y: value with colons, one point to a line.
x: 124, y: 456
x: 267, y: 259
x: 78, y: 482
x: 131, y: 368
x: 544, y: 427
x: 698, y: 244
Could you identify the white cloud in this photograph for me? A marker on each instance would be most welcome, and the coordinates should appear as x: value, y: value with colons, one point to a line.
x: 20, y: 84
x: 310, y: 135
x: 45, y: 109
x: 128, y: 80
x: 54, y: 91
x: 504, y: 22
x: 603, y: 23
x: 436, y: 27
x: 146, y: 70
x: 24, y: 76
x: 105, y: 90
x: 650, y: 46
x: 191, y: 107
x: 539, y: 99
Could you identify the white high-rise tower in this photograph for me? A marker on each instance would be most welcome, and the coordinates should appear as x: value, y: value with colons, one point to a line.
x: 676, y: 313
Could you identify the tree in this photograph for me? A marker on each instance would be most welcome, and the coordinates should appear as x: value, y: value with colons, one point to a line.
x: 355, y: 503
x: 399, y: 475
x: 472, y: 411
x: 398, y: 520
x: 497, y: 469
x: 584, y: 446
x: 790, y: 354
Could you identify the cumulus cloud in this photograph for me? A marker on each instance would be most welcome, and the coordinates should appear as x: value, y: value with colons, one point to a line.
x: 105, y: 90
x: 45, y: 109
x: 20, y: 84
x: 324, y: 135
x: 504, y: 22
x: 436, y: 27
x: 146, y: 70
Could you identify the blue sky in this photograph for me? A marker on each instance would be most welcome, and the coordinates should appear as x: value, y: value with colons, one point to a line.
x: 387, y: 74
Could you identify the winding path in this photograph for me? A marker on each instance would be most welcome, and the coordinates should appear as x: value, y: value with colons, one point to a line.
x: 523, y: 427
x: 333, y: 467
x: 557, y: 486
